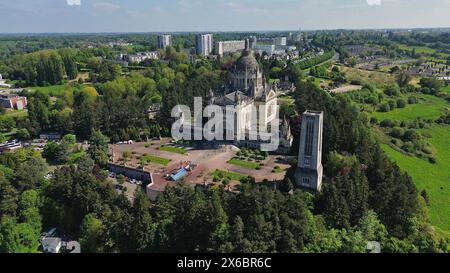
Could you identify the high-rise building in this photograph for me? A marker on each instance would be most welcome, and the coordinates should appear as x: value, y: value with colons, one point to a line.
x: 227, y: 47
x: 164, y: 41
x: 280, y: 41
x: 310, y: 170
x: 204, y: 44
x: 253, y: 41
x: 297, y: 36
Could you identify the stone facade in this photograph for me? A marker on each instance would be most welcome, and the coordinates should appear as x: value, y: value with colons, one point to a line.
x: 309, y: 171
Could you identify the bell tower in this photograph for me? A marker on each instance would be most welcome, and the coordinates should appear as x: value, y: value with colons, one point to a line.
x: 309, y: 172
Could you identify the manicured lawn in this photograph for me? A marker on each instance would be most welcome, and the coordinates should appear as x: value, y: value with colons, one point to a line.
x: 171, y: 149
x: 53, y: 90
x: 434, y: 178
x: 156, y: 160
x: 229, y: 175
x: 244, y: 164
x: 429, y: 107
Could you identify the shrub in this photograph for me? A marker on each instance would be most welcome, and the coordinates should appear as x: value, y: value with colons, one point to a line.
x: 411, y: 135
x: 412, y: 100
x: 373, y: 120
x: 388, y: 123
x: 392, y: 104
x: 392, y: 91
x: 408, y: 147
x: 397, y: 132
x: 401, y: 103
x: 385, y: 107
x: 432, y: 160
x: 396, y: 142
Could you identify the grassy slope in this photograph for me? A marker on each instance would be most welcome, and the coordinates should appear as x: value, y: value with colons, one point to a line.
x: 429, y: 107
x: 431, y: 177
x: 446, y: 89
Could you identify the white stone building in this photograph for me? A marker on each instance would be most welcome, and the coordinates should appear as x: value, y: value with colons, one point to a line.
x: 228, y: 47
x: 164, y: 41
x: 204, y: 44
x: 248, y: 89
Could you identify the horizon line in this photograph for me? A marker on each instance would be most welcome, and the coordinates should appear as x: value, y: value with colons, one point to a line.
x: 231, y: 31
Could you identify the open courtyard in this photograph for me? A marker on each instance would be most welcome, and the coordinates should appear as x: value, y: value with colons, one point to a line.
x: 162, y: 158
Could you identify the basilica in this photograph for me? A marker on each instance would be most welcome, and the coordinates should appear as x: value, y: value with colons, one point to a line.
x: 248, y: 89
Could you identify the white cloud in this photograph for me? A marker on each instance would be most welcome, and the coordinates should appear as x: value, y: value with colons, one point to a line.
x: 73, y: 2
x: 374, y: 2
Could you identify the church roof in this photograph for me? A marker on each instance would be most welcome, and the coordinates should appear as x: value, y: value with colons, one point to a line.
x: 230, y: 99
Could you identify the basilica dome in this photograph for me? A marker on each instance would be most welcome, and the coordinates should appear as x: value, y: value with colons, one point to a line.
x: 247, y: 60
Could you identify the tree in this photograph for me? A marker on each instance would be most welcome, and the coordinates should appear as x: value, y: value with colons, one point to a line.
x: 226, y: 183
x: 85, y: 164
x: 92, y: 230
x: 121, y: 179
x: 143, y: 227
x: 8, y: 197
x: 372, y: 228
x: 30, y: 174
x: 17, y: 237
x: 29, y: 199
x: 90, y: 91
x: 23, y: 134
x: 98, y: 148
x: 403, y: 78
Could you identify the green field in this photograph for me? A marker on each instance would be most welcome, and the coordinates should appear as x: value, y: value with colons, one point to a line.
x: 244, y: 164
x: 156, y: 160
x: 434, y: 178
x: 53, y: 90
x: 229, y: 175
x: 419, y: 49
x: 171, y: 149
x: 429, y: 107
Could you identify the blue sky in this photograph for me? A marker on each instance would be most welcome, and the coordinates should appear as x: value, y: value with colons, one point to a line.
x: 216, y: 15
